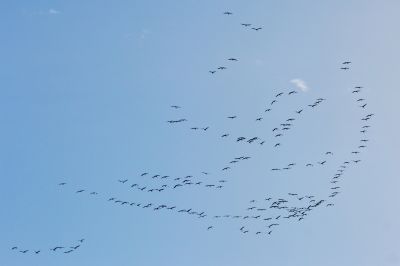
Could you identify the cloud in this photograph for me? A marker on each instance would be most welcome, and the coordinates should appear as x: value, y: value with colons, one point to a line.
x: 300, y: 84
x: 53, y: 11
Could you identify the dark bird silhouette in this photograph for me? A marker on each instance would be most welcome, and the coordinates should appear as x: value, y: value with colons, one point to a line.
x: 292, y: 92
x: 24, y: 251
x: 246, y: 24
x: 346, y: 63
x: 224, y: 135
x: 13, y: 248
x: 123, y: 181
x: 175, y: 106
x: 80, y: 191
x: 257, y: 29
x: 228, y: 13
x: 212, y: 71
x: 232, y: 59
x: 221, y: 68
x: 37, y: 251
x: 299, y: 111
x: 279, y: 94
x: 210, y: 227
x: 232, y: 117
x: 55, y: 249
x: 344, y: 68
x: 62, y: 184
x: 363, y: 106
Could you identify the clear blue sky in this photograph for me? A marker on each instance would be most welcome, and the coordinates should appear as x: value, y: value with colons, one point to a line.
x: 85, y: 90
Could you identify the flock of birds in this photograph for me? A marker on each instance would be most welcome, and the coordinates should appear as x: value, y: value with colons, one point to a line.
x: 262, y: 216
x: 65, y: 249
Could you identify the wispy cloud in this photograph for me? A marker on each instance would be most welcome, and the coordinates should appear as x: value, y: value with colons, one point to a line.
x: 300, y: 84
x: 53, y: 11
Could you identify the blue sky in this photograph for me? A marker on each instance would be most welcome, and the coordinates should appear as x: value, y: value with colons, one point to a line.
x: 85, y: 93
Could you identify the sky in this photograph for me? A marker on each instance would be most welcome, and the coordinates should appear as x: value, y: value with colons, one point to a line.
x: 85, y: 93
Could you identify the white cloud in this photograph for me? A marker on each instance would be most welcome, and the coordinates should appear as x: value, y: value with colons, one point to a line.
x: 53, y: 11
x: 300, y: 84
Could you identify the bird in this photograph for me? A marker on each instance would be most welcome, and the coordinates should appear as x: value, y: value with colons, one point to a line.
x: 62, y: 184
x: 55, y: 249
x: 224, y: 135
x: 24, y: 251
x: 13, y: 248
x: 37, y: 251
x: 80, y: 191
x: 292, y: 92
x: 299, y: 111
x: 346, y: 63
x: 363, y: 106
x: 344, y: 68
x: 175, y: 106
x: 123, y: 181
x: 212, y: 71
x: 277, y: 144
x: 210, y: 227
x: 221, y: 68
x: 257, y: 29
x: 274, y: 101
x: 232, y: 117
x: 279, y: 94
x: 246, y: 24
x: 259, y: 119
x: 232, y: 59
x: 228, y: 13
